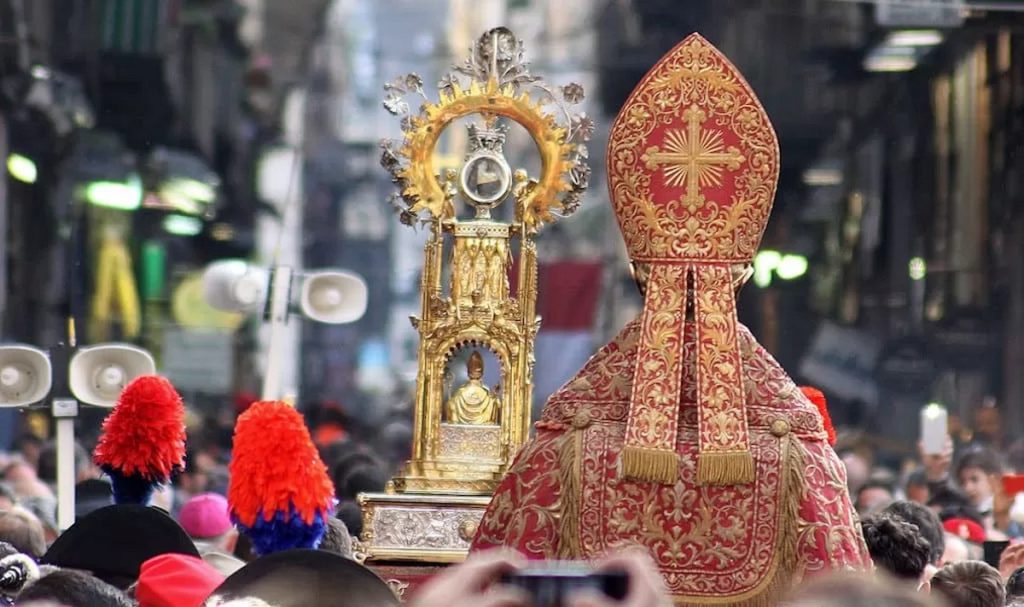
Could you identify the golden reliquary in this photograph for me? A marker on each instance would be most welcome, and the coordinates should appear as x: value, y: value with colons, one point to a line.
x: 467, y: 432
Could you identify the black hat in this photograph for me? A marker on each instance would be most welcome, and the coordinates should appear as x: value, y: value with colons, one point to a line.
x: 91, y: 495
x: 308, y: 578
x: 113, y: 542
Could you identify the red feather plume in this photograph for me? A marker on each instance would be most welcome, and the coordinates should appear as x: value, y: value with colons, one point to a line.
x: 275, y: 467
x: 818, y: 398
x: 144, y: 435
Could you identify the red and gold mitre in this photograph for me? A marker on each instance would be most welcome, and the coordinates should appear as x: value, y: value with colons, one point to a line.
x: 693, y: 163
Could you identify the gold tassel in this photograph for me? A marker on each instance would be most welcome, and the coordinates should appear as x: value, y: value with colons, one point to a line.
x: 729, y: 468
x: 653, y: 465
x: 570, y: 461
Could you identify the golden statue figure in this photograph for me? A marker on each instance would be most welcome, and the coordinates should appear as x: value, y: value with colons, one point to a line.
x: 473, y: 402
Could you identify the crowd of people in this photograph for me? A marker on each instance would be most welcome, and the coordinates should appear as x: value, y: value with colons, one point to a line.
x: 929, y: 527
x: 195, y: 500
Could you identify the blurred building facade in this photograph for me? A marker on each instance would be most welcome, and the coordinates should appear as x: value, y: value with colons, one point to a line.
x: 903, y: 188
x: 900, y: 131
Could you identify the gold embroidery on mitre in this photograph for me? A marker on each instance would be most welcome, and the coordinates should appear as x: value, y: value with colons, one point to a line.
x: 693, y: 165
x: 693, y: 157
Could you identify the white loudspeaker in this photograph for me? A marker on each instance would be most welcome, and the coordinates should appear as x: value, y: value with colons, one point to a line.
x: 97, y: 374
x: 333, y: 296
x: 25, y: 375
x: 233, y: 285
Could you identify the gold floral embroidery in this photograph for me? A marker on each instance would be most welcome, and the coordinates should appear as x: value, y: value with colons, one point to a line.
x: 719, y: 381
x: 533, y: 511
x: 692, y: 170
x: 659, y: 362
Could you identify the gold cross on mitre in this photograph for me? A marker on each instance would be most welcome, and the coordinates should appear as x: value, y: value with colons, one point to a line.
x: 694, y: 157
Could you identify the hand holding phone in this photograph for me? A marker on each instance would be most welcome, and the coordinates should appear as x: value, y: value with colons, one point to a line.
x: 553, y: 583
x: 1011, y: 559
x: 645, y: 588
x: 474, y: 583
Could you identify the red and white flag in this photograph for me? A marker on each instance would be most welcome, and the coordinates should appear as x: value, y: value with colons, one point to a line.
x: 569, y: 292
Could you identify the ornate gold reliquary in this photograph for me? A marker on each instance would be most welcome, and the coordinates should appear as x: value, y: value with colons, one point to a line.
x: 478, y: 306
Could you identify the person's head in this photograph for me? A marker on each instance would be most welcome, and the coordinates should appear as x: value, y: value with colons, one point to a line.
x: 22, y: 529
x: 29, y: 445
x: 343, y: 468
x: 350, y: 514
x: 988, y: 421
x: 44, y: 508
x: 217, y: 601
x: 194, y: 479
x: 8, y: 498
x: 307, y: 577
x: 91, y: 495
x: 1015, y: 585
x: 223, y: 562
x: 873, y: 496
x: 336, y: 538
x: 956, y: 549
x: 19, y: 472
x: 475, y: 365
x: 969, y: 584
x: 857, y: 470
x: 365, y: 478
x: 896, y: 546
x: 176, y: 580
x: 856, y: 590
x: 206, y: 520
x: 916, y: 487
x: 977, y: 472
x: 927, y: 522
x: 74, y: 588
x: 84, y: 467
x: 946, y: 497
x: 112, y: 543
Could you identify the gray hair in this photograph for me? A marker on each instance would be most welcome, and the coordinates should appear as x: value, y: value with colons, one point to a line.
x: 219, y: 601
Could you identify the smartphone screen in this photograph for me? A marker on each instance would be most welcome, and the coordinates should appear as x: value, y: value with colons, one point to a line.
x: 934, y: 429
x: 551, y: 585
x: 992, y: 550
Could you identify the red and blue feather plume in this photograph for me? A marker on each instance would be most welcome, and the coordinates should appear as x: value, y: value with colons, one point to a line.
x: 143, y: 439
x: 279, y: 493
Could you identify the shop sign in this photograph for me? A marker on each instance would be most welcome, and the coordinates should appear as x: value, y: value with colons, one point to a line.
x: 918, y: 13
x: 841, y: 362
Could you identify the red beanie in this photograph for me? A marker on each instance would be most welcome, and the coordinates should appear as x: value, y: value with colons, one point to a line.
x: 176, y: 580
x: 965, y: 529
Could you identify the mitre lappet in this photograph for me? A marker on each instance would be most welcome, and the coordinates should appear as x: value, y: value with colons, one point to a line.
x: 683, y: 434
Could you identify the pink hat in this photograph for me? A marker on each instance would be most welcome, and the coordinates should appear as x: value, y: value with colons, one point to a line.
x: 205, y: 516
x: 176, y: 580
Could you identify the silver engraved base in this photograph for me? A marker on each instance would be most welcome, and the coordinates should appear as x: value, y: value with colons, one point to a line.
x: 418, y: 527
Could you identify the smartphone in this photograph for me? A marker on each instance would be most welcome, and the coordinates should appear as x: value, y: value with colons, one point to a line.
x: 550, y: 583
x: 1013, y: 484
x: 934, y: 429
x: 992, y: 550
